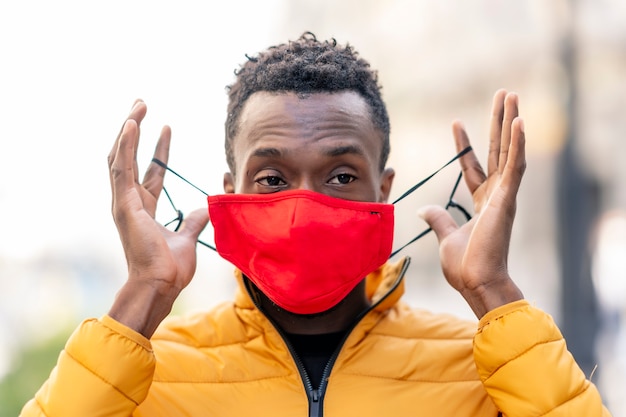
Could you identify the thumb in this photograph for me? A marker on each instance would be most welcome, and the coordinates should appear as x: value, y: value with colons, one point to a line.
x: 439, y: 220
x: 195, y: 223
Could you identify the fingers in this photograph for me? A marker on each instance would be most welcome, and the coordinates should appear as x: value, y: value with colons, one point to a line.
x: 194, y: 223
x: 137, y: 113
x: 495, y: 131
x: 439, y: 220
x: 153, y: 179
x: 473, y: 173
x: 515, y: 166
x: 122, y: 164
x: 510, y: 113
x: 505, y: 110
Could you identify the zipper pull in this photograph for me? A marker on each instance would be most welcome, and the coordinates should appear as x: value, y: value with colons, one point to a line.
x: 314, y: 404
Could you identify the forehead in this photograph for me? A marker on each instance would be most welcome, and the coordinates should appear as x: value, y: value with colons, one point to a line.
x: 295, y: 120
x: 266, y: 104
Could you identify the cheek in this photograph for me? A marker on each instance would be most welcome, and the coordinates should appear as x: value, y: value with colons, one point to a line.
x: 371, y: 189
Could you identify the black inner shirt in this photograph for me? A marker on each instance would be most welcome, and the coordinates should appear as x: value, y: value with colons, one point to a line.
x: 315, y: 351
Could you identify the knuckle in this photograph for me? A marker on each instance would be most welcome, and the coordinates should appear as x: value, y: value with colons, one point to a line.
x: 120, y: 215
x: 116, y: 170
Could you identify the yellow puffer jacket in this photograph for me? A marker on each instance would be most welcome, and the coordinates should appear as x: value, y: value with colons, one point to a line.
x: 397, y: 361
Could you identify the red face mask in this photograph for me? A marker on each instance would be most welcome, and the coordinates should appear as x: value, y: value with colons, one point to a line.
x: 306, y: 251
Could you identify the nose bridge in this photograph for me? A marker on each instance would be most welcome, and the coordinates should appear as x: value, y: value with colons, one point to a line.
x: 307, y: 182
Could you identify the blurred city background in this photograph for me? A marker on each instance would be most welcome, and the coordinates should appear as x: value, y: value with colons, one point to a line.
x: 71, y: 70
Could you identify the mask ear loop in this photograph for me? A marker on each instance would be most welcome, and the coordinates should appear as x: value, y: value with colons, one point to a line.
x: 454, y: 204
x: 179, y: 217
x: 451, y: 202
x: 179, y: 214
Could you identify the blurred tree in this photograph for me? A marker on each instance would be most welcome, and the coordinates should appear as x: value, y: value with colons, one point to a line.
x: 32, y: 367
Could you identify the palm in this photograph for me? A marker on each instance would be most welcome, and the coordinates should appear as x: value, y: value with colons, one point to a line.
x: 470, y: 253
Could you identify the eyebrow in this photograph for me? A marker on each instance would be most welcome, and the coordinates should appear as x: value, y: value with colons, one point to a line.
x: 343, y: 150
x: 267, y: 152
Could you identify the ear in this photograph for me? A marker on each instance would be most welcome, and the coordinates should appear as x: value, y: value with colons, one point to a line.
x: 229, y: 183
x: 386, y: 181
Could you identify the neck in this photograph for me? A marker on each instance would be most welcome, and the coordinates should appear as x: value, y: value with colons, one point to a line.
x: 336, y: 319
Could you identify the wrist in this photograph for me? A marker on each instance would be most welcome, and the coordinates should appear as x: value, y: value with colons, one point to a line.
x: 142, y: 306
x: 492, y: 295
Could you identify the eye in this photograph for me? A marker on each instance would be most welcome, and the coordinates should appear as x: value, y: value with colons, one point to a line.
x: 271, y: 181
x: 342, y: 179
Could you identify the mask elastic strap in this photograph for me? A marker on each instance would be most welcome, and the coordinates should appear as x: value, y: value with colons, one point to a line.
x: 164, y: 165
x: 425, y: 180
x: 451, y: 202
x: 179, y: 214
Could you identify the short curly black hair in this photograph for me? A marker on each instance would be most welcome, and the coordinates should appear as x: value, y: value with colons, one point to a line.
x: 306, y: 66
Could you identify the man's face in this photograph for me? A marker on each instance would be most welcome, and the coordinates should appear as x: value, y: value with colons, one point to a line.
x: 325, y: 142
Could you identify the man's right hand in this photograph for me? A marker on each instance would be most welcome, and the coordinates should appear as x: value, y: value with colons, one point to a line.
x: 160, y: 262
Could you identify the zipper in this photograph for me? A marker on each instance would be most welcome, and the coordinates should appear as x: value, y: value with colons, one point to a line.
x: 331, y: 362
x: 313, y: 395
x: 316, y: 396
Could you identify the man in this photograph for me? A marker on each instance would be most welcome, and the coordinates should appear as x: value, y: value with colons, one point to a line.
x: 304, y: 219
